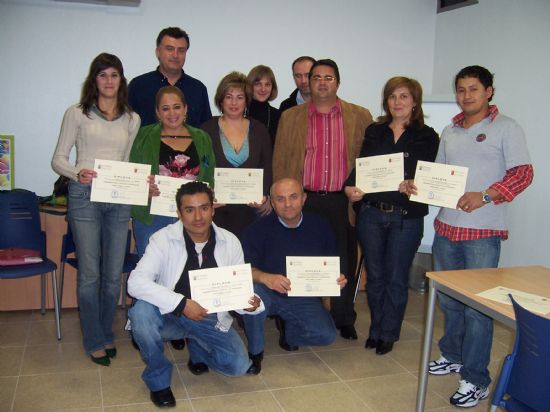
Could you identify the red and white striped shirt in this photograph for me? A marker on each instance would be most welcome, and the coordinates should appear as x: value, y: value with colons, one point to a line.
x: 325, y: 167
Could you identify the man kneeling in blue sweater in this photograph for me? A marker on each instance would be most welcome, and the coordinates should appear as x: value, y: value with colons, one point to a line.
x: 302, y: 321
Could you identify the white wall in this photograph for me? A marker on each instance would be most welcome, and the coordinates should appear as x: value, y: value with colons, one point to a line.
x: 510, y: 38
x: 47, y: 48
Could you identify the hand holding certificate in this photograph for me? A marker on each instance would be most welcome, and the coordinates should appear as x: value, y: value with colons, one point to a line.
x: 379, y: 173
x: 165, y: 203
x: 313, y: 275
x: 238, y: 186
x: 439, y: 184
x: 222, y: 289
x: 120, y: 182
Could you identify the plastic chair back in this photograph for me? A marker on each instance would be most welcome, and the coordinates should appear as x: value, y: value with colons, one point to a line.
x: 527, y: 380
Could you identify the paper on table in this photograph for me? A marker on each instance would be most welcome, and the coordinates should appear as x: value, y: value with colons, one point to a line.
x: 222, y: 289
x: 439, y: 184
x: 120, y: 182
x: 165, y: 203
x: 382, y: 173
x: 238, y: 186
x: 313, y: 275
x: 529, y: 301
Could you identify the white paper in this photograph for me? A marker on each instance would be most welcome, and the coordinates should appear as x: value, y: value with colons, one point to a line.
x: 165, y: 203
x: 534, y: 303
x: 222, y: 289
x: 439, y: 184
x: 238, y: 186
x: 313, y: 275
x: 379, y: 173
x: 120, y: 182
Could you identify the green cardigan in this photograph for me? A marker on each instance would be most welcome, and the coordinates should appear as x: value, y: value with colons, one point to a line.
x: 146, y: 150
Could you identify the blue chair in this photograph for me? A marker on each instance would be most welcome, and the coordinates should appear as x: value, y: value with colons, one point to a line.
x: 524, y: 382
x: 20, y: 219
x: 68, y: 247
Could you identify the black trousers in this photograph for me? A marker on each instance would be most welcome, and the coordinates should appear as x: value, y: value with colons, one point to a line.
x: 333, y: 206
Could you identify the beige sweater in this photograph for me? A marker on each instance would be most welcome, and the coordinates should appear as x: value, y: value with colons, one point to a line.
x: 94, y: 138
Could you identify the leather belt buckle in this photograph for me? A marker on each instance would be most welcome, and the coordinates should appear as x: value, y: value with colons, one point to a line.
x: 386, y: 207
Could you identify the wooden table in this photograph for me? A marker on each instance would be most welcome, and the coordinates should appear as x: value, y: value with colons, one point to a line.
x: 463, y: 285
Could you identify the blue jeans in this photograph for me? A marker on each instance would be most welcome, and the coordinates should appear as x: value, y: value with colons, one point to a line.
x: 224, y: 352
x: 99, y: 233
x: 389, y: 244
x: 468, y: 333
x: 143, y: 231
x: 307, y: 322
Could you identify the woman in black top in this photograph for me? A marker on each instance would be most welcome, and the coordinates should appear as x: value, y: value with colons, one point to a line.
x: 390, y: 226
x: 264, y: 89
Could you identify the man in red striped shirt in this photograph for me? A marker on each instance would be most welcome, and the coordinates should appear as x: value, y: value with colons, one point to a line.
x: 493, y: 148
x: 317, y: 144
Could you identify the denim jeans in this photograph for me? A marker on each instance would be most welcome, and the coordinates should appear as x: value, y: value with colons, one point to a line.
x: 143, y: 231
x: 307, y: 322
x: 224, y: 352
x: 99, y: 232
x: 468, y: 333
x: 389, y: 244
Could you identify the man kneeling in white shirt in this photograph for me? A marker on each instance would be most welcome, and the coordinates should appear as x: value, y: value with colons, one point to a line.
x: 165, y: 310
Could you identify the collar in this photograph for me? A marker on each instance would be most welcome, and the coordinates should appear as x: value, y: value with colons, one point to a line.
x: 165, y: 79
x: 96, y: 110
x: 287, y: 226
x: 336, y: 109
x: 458, y: 120
x: 299, y: 97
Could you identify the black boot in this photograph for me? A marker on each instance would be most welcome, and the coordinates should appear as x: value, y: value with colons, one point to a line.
x: 280, y: 323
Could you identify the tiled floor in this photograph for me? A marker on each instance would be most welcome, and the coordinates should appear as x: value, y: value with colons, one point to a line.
x: 39, y: 374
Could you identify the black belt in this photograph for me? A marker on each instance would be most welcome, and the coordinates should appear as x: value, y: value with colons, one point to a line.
x: 386, y: 207
x: 323, y: 192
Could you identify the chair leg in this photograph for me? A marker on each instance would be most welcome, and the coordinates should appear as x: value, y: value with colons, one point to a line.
x: 56, y: 306
x: 123, y: 290
x: 43, y: 294
x: 61, y: 283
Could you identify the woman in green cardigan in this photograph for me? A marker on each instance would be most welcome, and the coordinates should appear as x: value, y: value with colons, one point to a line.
x: 172, y: 148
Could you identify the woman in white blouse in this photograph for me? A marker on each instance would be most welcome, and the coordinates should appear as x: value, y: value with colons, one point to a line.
x: 100, y: 126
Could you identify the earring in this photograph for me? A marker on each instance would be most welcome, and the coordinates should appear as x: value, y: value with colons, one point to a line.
x: 245, y: 112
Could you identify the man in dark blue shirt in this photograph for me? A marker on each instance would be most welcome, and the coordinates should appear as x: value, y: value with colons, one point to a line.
x: 302, y: 321
x: 172, y: 46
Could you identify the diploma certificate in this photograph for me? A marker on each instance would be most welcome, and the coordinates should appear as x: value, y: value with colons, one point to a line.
x: 313, y: 275
x: 534, y: 303
x: 238, y: 186
x: 165, y: 203
x: 439, y: 184
x: 379, y: 173
x: 120, y: 182
x: 222, y: 289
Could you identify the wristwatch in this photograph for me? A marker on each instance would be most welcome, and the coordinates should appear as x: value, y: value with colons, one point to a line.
x: 485, y: 196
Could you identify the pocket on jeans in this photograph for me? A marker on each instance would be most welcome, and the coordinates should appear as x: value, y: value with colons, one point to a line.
x: 80, y: 206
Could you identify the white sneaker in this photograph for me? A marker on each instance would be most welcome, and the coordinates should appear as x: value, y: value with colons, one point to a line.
x: 468, y: 395
x: 443, y: 367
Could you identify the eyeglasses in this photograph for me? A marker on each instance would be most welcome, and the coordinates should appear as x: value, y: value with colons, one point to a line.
x: 318, y: 78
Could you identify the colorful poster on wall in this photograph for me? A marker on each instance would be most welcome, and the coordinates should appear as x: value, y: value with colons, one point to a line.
x: 6, y: 162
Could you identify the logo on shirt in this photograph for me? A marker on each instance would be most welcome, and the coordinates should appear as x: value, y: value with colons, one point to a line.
x: 481, y: 137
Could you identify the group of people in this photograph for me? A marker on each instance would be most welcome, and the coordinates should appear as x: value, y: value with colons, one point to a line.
x: 311, y: 207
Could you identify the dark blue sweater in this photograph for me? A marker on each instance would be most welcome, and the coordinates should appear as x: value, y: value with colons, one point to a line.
x: 143, y: 90
x: 267, y: 243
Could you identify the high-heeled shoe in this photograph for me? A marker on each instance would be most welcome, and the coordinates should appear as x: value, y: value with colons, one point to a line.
x: 101, y: 360
x: 111, y: 352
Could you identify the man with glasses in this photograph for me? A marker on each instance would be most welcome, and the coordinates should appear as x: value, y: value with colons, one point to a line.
x: 172, y: 46
x: 317, y: 144
x: 300, y: 72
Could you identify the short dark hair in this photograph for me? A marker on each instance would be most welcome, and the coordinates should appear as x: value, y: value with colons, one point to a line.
x: 329, y: 63
x: 303, y: 59
x: 90, y: 93
x: 257, y: 73
x: 192, y: 188
x: 174, y: 32
x: 485, y: 76
x: 234, y: 80
x: 415, y: 89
